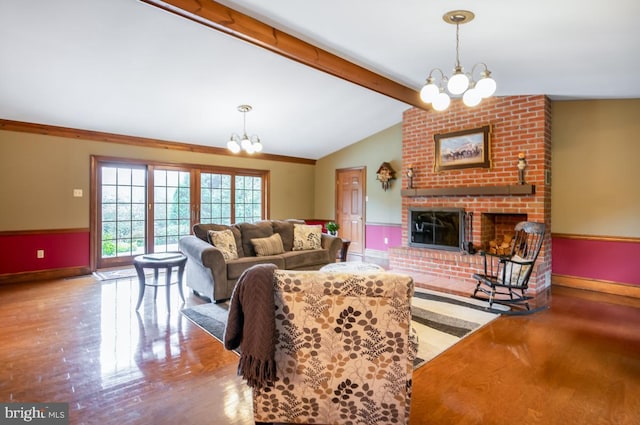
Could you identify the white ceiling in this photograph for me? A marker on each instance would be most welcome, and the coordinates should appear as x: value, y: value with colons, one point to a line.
x: 124, y: 67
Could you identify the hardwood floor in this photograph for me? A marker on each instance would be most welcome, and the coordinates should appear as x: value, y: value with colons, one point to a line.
x: 80, y: 341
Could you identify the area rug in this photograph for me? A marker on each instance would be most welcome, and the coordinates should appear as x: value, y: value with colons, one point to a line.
x: 440, y: 320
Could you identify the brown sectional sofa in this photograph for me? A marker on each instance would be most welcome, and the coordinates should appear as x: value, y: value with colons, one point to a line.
x: 209, y: 275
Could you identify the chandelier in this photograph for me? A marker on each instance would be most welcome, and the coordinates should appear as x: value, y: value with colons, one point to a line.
x: 248, y: 144
x: 460, y: 83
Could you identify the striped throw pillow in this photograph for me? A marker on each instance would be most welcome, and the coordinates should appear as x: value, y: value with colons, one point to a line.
x: 268, y: 246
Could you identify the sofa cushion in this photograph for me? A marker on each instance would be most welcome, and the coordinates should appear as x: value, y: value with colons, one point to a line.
x: 225, y: 242
x: 310, y: 259
x: 261, y: 229
x: 306, y: 237
x: 236, y: 267
x: 201, y: 230
x: 268, y: 246
x: 285, y: 230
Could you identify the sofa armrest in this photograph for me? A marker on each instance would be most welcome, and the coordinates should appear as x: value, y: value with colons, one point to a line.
x: 206, y: 268
x: 333, y: 244
x: 198, y: 250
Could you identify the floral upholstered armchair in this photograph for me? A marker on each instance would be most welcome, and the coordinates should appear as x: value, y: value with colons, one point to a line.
x: 344, y: 349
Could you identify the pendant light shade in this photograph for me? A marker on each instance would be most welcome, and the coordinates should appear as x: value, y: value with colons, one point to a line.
x: 458, y: 82
x: 441, y: 102
x: 429, y: 91
x: 486, y: 86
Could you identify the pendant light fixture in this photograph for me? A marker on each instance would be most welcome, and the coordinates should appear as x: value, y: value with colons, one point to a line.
x: 460, y: 83
x: 248, y: 144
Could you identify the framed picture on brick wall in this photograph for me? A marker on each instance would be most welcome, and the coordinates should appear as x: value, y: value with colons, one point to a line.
x: 463, y: 149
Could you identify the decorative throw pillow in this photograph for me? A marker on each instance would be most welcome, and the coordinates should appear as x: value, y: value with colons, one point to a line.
x: 514, y: 273
x: 225, y: 242
x: 306, y: 237
x: 268, y: 246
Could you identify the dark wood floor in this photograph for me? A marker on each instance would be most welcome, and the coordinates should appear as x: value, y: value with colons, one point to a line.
x: 80, y: 341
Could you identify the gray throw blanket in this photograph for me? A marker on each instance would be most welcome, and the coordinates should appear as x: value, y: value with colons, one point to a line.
x: 251, y: 325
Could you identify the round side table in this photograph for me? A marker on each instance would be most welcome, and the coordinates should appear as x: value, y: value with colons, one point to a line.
x: 166, y: 261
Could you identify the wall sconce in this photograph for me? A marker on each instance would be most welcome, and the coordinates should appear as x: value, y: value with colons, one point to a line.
x: 410, y: 175
x: 385, y: 174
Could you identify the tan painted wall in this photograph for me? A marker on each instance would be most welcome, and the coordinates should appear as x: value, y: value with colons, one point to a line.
x: 38, y: 174
x: 595, y: 173
x: 595, y: 191
x: 382, y: 207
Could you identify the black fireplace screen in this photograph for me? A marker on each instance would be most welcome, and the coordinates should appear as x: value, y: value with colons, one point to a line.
x: 437, y: 228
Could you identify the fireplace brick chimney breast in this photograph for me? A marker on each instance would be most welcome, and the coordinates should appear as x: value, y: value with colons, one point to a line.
x: 519, y: 124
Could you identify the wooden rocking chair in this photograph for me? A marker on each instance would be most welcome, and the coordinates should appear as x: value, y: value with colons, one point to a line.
x: 507, y: 276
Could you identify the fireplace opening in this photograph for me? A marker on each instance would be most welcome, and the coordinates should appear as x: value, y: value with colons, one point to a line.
x: 437, y: 228
x: 496, y: 230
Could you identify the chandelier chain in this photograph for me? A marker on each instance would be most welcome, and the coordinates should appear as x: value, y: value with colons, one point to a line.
x: 244, y: 123
x: 457, y: 44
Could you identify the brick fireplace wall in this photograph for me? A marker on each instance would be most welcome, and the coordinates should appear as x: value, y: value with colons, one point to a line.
x: 519, y: 124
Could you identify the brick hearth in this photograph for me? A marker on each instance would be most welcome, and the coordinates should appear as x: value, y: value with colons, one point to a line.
x: 518, y: 124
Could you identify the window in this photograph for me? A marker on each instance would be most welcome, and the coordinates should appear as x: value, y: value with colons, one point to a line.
x: 248, y: 200
x: 232, y: 197
x: 122, y: 211
x: 215, y: 198
x: 171, y: 208
x: 142, y: 207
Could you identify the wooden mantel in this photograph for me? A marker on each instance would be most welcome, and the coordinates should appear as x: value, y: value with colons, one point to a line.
x: 512, y: 190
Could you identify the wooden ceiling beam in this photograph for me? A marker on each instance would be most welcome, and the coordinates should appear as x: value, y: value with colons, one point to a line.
x: 219, y: 17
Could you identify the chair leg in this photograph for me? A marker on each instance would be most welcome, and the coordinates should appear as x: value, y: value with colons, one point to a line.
x: 477, y: 288
x: 524, y: 295
x: 491, y: 295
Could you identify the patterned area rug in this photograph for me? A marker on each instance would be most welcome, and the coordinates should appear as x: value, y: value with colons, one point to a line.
x: 440, y: 320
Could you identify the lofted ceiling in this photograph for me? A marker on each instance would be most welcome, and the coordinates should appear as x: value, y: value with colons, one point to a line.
x: 128, y: 67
